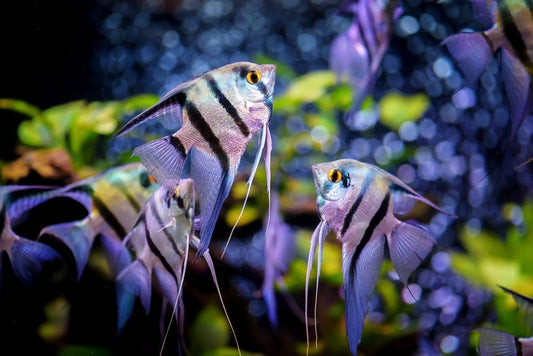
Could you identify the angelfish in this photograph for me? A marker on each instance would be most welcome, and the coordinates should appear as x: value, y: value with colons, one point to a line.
x: 216, y: 115
x: 358, y: 202
x: 494, y: 342
x: 160, y: 238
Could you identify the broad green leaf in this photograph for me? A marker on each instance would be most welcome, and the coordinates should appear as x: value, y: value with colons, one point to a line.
x: 250, y: 213
x: 20, y: 106
x: 138, y: 102
x: 467, y: 267
x: 209, y: 331
x: 59, y: 118
x: 35, y: 133
x: 483, y: 244
x: 310, y: 87
x: 495, y: 271
x: 396, y: 109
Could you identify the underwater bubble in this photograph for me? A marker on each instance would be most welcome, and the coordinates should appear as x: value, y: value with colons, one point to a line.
x: 464, y: 98
x: 474, y: 226
x: 427, y: 320
x: 411, y: 293
x: 113, y: 21
x: 475, y: 298
x: 490, y: 138
x: 407, y: 173
x: 449, y: 344
x: 320, y: 134
x: 216, y: 8
x: 408, y: 25
x: 440, y: 262
x: 516, y: 216
x: 453, y: 306
x: 438, y: 224
x: 391, y: 63
x: 168, y: 61
x: 454, y: 81
x: 363, y: 120
x: 501, y: 117
x: 448, y: 113
x: 427, y: 22
x: 307, y: 42
x: 395, y: 80
x: 416, y: 45
x: 171, y: 39
x: 409, y: 131
x: 456, y: 166
x: 440, y: 297
x: 442, y: 67
x: 433, y: 88
x: 423, y: 155
x: 382, y: 155
x: 418, y: 78
x: 427, y: 128
x: 445, y: 150
x: 256, y: 308
x: 482, y: 117
x: 475, y: 197
x: 429, y: 171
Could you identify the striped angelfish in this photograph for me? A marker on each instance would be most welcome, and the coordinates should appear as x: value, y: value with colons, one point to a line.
x: 511, y: 35
x: 112, y: 201
x: 494, y: 342
x: 358, y: 202
x: 160, y: 239
x: 216, y: 115
x: 25, y: 254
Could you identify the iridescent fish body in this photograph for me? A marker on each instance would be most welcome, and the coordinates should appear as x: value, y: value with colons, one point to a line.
x: 510, y: 34
x: 356, y: 54
x: 160, y: 239
x: 280, y: 247
x: 216, y: 115
x: 25, y: 254
x: 494, y: 342
x: 358, y: 202
x: 112, y: 201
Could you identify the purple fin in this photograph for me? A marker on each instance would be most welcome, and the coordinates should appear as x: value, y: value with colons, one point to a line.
x: 125, y: 303
x: 517, y: 84
x: 360, y: 277
x: 408, y: 246
x: 27, y: 257
x: 168, y: 286
x: 77, y: 236
x: 471, y: 51
x: 495, y: 342
x: 164, y: 158
x: 136, y: 279
x: 212, y: 188
x: 483, y: 12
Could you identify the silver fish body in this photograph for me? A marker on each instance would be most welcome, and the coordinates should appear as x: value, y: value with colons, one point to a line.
x: 216, y: 115
x: 358, y: 202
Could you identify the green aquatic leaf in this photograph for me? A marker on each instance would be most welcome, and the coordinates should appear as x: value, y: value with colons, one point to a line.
x: 309, y: 87
x: 35, y: 133
x: 210, y: 331
x: 397, y: 108
x: 483, y: 244
x: 250, y: 214
x: 20, y: 106
x: 138, y: 102
x: 59, y: 119
x: 83, y: 350
x: 229, y: 351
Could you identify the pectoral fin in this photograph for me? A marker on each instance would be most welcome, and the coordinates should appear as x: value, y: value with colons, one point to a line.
x: 137, y: 280
x: 496, y: 342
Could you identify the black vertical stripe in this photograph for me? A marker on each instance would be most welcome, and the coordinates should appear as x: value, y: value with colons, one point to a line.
x: 518, y: 346
x: 158, y: 253
x: 202, y: 126
x: 108, y: 217
x: 513, y: 35
x: 169, y: 237
x: 123, y: 189
x: 367, y: 180
x: 227, y: 105
x: 374, y: 222
x: 178, y: 146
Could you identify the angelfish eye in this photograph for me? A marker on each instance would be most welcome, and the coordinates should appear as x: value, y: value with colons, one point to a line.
x: 334, y: 176
x: 253, y: 77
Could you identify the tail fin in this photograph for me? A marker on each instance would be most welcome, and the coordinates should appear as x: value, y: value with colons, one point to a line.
x: 496, y: 342
x: 27, y: 257
x: 408, y: 246
x: 77, y: 236
x: 360, y: 276
x: 471, y: 52
x: 137, y: 280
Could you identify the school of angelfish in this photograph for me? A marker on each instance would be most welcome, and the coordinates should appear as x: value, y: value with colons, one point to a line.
x: 149, y: 215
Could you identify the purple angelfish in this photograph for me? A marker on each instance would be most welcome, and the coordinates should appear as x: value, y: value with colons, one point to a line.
x: 356, y: 54
x: 358, y: 202
x: 25, y: 254
x: 280, y: 247
x: 160, y: 239
x: 216, y: 115
x: 510, y: 34
x: 494, y: 342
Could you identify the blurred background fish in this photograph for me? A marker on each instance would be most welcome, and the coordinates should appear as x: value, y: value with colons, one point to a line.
x: 494, y: 342
x: 26, y: 255
x: 356, y: 54
x: 510, y: 36
x: 357, y: 201
x: 216, y: 115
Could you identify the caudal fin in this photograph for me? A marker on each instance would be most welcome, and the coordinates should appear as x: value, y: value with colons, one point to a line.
x: 137, y: 280
x: 471, y: 52
x: 495, y: 342
x: 77, y: 236
x: 408, y: 246
x: 27, y: 257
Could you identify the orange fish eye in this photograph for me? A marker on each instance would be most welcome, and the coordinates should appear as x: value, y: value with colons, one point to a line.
x: 253, y: 77
x: 334, y: 175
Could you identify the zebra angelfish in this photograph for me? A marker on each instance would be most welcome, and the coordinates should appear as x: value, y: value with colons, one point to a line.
x: 357, y: 201
x: 216, y: 115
